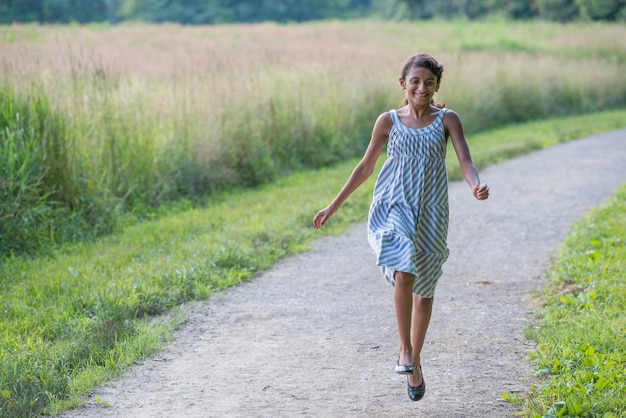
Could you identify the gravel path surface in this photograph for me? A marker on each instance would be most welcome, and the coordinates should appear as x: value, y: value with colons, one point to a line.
x: 315, y: 336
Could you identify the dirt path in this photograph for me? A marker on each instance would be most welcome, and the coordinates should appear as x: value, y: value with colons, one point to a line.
x: 316, y: 335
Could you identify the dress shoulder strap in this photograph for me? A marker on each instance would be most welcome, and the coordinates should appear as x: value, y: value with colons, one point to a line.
x: 394, y: 116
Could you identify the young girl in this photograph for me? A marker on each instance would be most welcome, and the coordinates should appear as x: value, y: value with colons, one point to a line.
x: 408, y: 217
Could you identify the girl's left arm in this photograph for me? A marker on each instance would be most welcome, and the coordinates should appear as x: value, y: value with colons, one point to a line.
x: 454, y: 130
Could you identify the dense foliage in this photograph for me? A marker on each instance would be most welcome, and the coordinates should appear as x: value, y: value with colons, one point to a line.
x: 230, y: 11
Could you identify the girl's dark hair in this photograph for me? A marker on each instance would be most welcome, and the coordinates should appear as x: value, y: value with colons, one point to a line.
x: 423, y: 61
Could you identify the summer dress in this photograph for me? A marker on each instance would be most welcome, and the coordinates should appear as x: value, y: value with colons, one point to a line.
x: 408, y: 217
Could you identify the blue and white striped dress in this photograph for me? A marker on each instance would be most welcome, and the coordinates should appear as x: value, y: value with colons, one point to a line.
x: 408, y: 217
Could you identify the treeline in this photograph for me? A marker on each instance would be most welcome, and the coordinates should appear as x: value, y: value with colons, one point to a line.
x: 239, y: 11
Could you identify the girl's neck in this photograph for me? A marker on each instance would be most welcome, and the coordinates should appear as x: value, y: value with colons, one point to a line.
x: 422, y: 111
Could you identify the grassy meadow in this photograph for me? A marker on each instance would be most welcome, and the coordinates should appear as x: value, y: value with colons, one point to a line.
x: 148, y: 139
x: 100, y: 125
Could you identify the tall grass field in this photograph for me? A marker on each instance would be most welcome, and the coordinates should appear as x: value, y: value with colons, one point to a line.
x: 98, y: 123
x: 142, y: 167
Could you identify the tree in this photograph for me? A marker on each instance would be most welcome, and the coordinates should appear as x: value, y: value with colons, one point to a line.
x: 558, y: 10
x: 20, y: 11
x: 600, y: 9
x: 66, y: 11
x: 521, y: 9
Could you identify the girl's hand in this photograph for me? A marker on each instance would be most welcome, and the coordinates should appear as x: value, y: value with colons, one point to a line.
x: 321, y: 217
x: 481, y: 191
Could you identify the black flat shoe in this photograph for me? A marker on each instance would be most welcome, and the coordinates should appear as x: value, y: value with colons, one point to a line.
x: 416, y: 393
x: 404, y: 369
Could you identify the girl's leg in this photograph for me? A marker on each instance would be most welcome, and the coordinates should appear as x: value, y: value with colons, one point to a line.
x: 403, y: 300
x: 422, y: 309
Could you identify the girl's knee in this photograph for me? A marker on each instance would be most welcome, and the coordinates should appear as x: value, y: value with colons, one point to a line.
x: 422, y: 302
x: 404, y: 279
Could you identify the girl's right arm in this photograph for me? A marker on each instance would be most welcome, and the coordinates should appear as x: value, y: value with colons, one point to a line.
x: 362, y: 171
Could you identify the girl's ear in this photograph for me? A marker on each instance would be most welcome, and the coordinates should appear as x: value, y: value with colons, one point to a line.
x: 402, y: 85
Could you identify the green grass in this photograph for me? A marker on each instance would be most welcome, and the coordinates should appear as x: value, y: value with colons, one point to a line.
x: 76, y: 317
x: 581, y: 329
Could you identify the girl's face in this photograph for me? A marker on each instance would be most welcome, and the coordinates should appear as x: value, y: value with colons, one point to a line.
x: 420, y: 85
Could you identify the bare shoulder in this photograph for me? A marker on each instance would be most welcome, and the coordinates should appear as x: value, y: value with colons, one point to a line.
x: 452, y: 121
x: 451, y: 116
x: 384, y: 123
x: 384, y: 118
